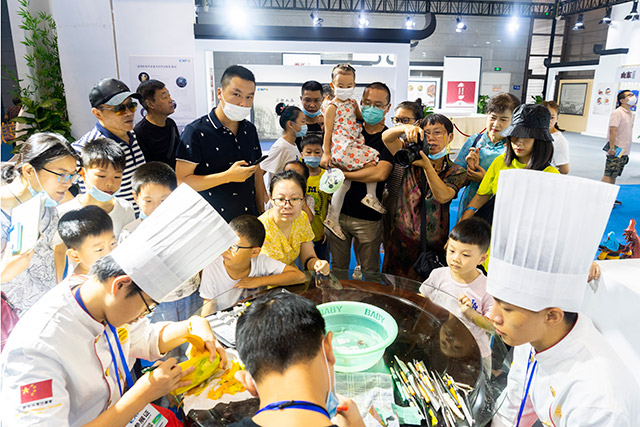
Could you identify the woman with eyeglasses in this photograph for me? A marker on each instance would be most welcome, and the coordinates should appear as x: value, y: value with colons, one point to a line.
x: 288, y: 232
x: 427, y: 187
x: 46, y: 167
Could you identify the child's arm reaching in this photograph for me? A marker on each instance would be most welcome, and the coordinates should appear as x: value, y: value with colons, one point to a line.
x: 210, y: 306
x: 358, y: 112
x: 289, y: 276
x: 466, y: 306
x: 329, y: 117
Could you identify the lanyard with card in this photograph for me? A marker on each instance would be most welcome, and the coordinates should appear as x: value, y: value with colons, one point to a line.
x: 149, y: 417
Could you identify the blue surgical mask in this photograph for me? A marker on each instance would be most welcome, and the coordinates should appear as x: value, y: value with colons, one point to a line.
x: 100, y: 195
x: 312, y: 161
x: 48, y: 200
x: 311, y: 115
x: 439, y: 155
x: 302, y: 132
x: 372, y: 115
x: 143, y: 215
x: 332, y: 399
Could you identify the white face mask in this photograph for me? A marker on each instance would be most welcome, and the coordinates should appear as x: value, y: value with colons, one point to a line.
x: 632, y: 101
x: 343, y: 93
x: 233, y: 112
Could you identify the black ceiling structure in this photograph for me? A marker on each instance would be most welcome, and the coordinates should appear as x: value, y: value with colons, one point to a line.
x: 539, y: 10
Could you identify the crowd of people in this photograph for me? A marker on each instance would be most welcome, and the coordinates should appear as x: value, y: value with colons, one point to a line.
x: 99, y: 190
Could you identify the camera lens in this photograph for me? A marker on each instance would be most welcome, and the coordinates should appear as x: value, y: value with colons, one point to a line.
x: 406, y: 156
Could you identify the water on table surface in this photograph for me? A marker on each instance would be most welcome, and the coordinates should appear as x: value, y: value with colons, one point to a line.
x: 350, y: 338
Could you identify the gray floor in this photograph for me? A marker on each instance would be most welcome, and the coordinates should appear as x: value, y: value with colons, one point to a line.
x: 587, y: 159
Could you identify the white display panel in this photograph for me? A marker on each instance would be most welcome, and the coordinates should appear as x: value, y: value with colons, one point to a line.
x: 461, y: 84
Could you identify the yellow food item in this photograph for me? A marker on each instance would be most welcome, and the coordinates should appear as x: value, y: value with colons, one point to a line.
x: 198, y: 357
x: 227, y: 383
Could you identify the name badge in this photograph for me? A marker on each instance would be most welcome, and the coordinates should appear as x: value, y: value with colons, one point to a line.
x: 149, y: 417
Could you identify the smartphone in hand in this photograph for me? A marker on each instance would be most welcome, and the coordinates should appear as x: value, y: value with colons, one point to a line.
x: 258, y: 161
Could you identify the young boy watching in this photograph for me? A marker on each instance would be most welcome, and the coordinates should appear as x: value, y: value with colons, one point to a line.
x: 88, y: 235
x: 282, y: 340
x: 151, y: 183
x: 466, y: 249
x: 311, y: 149
x: 103, y: 162
x: 242, y: 267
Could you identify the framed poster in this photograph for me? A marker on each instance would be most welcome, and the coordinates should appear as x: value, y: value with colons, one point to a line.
x: 460, y: 94
x: 425, y: 89
x: 573, y: 97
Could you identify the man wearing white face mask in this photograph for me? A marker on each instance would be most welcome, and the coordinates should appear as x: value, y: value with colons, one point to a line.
x: 216, y: 150
x: 293, y: 379
x: 619, y: 137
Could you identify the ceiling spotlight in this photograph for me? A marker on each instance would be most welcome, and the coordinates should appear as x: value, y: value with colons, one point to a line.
x: 409, y: 24
x: 362, y: 20
x: 607, y: 17
x: 579, y: 25
x: 633, y: 15
x: 514, y: 25
x: 315, y: 19
x: 460, y: 25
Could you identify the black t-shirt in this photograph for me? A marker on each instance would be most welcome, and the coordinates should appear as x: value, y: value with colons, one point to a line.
x: 248, y: 422
x: 158, y: 144
x: 352, y: 205
x: 214, y: 149
x: 311, y: 127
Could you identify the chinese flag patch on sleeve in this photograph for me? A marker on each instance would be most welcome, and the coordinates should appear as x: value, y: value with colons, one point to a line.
x: 35, y: 391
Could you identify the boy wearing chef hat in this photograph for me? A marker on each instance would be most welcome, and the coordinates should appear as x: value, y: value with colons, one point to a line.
x: 546, y: 231
x: 66, y: 362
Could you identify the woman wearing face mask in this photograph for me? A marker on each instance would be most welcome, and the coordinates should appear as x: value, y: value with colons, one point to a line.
x: 427, y: 186
x: 480, y: 149
x: 294, y: 125
x: 288, y: 232
x: 46, y: 168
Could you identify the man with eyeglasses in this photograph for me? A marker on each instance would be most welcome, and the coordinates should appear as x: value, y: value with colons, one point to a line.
x: 113, y: 105
x: 356, y: 220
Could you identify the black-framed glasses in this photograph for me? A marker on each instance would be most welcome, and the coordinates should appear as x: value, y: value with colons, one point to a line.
x: 295, y: 201
x: 120, y: 109
x: 403, y: 120
x: 149, y: 308
x: 64, y: 177
x: 235, y: 248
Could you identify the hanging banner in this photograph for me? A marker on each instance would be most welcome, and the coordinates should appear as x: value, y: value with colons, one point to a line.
x: 461, y: 84
x: 177, y: 75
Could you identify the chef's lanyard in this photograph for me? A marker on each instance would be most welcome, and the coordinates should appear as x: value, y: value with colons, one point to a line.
x: 295, y: 404
x: 125, y: 367
x: 526, y: 390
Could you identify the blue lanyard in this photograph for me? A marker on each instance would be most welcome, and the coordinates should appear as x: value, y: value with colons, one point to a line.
x: 295, y: 404
x: 125, y: 367
x: 526, y: 391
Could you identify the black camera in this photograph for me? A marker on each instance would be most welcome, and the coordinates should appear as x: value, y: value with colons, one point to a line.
x: 406, y: 156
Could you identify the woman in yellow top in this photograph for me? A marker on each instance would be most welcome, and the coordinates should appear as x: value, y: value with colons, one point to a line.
x: 529, y: 146
x: 288, y: 232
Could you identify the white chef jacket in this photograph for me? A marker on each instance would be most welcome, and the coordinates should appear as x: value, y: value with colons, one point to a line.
x: 59, y: 352
x: 580, y: 381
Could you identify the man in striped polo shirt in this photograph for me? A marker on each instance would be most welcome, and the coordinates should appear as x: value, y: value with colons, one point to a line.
x: 113, y: 105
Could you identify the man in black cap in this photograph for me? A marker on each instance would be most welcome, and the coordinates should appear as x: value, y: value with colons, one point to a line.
x: 113, y: 105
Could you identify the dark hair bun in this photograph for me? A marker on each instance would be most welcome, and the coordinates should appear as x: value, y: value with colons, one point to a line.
x: 8, y: 172
x: 280, y: 108
x: 419, y: 102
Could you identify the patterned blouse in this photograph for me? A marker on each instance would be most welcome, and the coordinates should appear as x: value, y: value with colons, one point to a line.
x: 27, y: 287
x: 277, y: 246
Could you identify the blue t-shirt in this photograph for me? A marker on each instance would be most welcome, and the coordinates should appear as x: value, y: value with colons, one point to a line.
x: 487, y: 154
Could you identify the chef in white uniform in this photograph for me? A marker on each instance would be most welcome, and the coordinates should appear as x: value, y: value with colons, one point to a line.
x: 546, y: 231
x: 66, y: 362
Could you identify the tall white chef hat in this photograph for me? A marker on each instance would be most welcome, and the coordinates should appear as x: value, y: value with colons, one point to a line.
x: 545, y: 233
x: 182, y: 236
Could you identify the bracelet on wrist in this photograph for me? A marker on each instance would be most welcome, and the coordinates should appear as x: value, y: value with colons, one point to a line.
x: 471, y: 208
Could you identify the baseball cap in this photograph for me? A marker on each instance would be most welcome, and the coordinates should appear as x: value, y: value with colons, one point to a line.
x: 110, y: 92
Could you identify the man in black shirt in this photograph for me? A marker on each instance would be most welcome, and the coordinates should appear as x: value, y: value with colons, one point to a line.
x: 216, y: 150
x: 157, y: 134
x: 311, y: 100
x: 283, y: 342
x: 358, y: 221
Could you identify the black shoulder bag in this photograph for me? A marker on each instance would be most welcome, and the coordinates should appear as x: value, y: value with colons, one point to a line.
x: 428, y: 260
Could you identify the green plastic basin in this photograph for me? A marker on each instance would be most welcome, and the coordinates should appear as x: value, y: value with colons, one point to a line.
x: 361, y: 333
